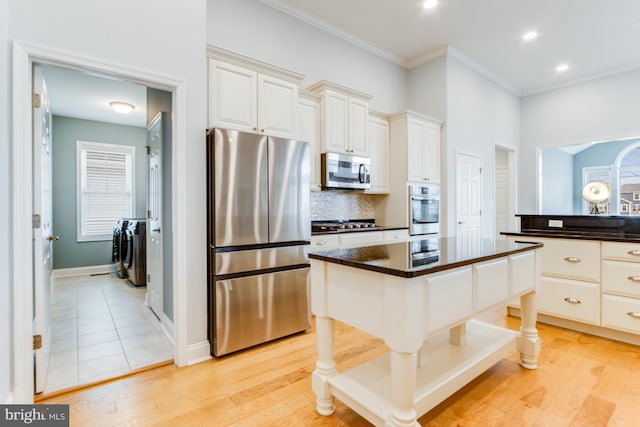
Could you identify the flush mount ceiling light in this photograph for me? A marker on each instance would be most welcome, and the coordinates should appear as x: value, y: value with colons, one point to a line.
x: 430, y: 4
x: 122, y: 107
x: 562, y: 68
x: 531, y: 35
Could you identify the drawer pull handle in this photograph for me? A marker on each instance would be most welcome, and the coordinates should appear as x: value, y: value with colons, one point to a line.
x: 572, y: 259
x: 573, y: 300
x: 321, y: 243
x: 634, y: 252
x: 634, y: 314
x: 635, y: 278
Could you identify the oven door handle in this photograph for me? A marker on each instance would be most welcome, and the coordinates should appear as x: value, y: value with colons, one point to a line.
x: 361, y: 172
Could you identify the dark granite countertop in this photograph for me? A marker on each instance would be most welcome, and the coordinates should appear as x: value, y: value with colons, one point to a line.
x: 613, y: 236
x: 417, y: 258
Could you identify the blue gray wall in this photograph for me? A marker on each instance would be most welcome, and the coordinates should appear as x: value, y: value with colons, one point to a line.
x: 68, y: 252
x: 603, y: 154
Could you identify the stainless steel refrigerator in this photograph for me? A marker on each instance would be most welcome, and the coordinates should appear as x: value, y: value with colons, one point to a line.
x: 259, y: 230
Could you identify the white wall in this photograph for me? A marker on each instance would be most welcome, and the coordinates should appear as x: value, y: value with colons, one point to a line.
x: 427, y: 92
x: 599, y: 110
x: 480, y: 114
x: 253, y: 29
x: 6, y: 325
x: 167, y: 39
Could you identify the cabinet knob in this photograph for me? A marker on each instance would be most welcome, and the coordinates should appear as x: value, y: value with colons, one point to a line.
x: 573, y: 300
x: 572, y: 259
x: 635, y: 252
x: 320, y: 243
x: 634, y: 314
x: 635, y: 278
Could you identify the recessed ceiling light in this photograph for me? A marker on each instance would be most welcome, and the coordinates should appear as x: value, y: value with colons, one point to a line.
x: 531, y: 35
x: 430, y: 4
x: 562, y: 67
x: 122, y: 107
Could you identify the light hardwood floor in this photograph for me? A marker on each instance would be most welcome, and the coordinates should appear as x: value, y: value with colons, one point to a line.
x: 582, y: 380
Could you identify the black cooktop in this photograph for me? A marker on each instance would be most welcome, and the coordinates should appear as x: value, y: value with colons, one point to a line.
x: 344, y: 225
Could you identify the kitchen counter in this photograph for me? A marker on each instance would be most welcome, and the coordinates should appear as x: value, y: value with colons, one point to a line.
x: 356, y: 230
x: 396, y: 259
x: 614, y: 236
x: 424, y: 314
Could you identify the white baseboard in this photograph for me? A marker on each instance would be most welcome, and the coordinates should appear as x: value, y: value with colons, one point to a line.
x: 167, y: 326
x: 83, y: 271
x: 199, y: 352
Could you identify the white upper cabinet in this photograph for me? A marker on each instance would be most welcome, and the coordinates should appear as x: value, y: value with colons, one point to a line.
x: 251, y: 96
x: 308, y: 129
x: 344, y: 119
x: 379, y: 151
x: 422, y: 138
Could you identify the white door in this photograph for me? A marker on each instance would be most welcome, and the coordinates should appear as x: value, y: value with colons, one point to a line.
x: 468, y: 196
x: 154, y: 215
x: 42, y: 233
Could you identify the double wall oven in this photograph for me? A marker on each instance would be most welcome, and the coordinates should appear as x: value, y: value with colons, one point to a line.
x: 424, y: 209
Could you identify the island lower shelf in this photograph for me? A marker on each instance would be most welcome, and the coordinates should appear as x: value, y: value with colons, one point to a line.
x: 444, y: 369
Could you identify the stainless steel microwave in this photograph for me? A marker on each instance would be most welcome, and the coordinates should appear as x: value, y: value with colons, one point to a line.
x: 344, y: 171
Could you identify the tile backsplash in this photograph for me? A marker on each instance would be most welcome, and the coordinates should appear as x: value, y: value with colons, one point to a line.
x: 335, y: 204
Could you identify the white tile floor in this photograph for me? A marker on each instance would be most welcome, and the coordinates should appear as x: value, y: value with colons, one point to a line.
x: 100, y: 328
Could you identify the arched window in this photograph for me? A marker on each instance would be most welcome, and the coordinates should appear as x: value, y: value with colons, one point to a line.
x: 628, y: 165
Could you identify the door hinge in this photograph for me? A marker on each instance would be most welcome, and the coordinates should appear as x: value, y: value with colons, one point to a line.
x: 148, y: 278
x: 36, y: 100
x: 149, y: 214
x: 37, y: 342
x: 35, y: 221
x: 148, y: 150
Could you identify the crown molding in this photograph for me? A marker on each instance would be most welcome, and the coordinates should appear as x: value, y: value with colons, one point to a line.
x: 220, y: 54
x: 279, y: 5
x: 426, y: 57
x: 634, y: 66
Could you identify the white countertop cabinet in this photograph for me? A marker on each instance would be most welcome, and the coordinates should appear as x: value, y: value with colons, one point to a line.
x: 591, y: 286
x: 308, y: 130
x: 379, y: 152
x: 422, y: 137
x: 251, y: 96
x: 344, y: 119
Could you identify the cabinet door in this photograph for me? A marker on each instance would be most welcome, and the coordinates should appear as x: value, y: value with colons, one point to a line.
x: 358, y: 120
x: 415, y: 145
x: 232, y: 97
x: 308, y: 129
x: 379, y: 153
x: 277, y: 106
x: 431, y: 153
x: 335, y: 121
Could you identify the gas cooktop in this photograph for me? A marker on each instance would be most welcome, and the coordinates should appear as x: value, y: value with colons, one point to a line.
x: 344, y: 225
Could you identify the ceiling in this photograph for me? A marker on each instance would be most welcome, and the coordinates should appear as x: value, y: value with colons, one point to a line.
x: 86, y: 96
x: 595, y: 37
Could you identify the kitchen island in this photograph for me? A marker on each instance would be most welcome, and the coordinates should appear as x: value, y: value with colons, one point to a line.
x: 419, y: 297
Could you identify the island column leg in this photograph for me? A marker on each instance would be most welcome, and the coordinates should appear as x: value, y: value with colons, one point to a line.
x: 403, y: 386
x: 325, y: 366
x: 528, y: 342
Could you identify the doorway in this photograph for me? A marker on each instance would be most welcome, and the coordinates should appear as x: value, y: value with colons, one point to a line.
x: 25, y: 56
x: 100, y: 325
x: 505, y: 186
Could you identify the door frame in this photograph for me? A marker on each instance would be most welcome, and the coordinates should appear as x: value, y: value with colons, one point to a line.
x: 512, y: 158
x: 24, y: 56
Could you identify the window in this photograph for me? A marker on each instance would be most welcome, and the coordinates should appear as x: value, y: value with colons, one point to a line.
x: 629, y: 179
x: 105, y: 188
x: 591, y: 174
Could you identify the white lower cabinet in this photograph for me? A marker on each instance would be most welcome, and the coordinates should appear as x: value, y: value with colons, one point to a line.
x: 327, y: 242
x: 591, y: 282
x: 570, y: 299
x: 621, y: 313
x: 395, y: 236
x: 324, y: 242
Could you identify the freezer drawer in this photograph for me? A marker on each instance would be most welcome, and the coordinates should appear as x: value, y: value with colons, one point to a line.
x: 260, y: 259
x: 255, y: 309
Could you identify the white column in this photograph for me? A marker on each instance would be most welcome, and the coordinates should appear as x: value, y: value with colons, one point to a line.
x: 528, y: 342
x: 403, y: 388
x: 325, y: 366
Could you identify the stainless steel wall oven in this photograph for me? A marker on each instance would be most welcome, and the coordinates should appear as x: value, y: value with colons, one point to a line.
x: 424, y: 209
